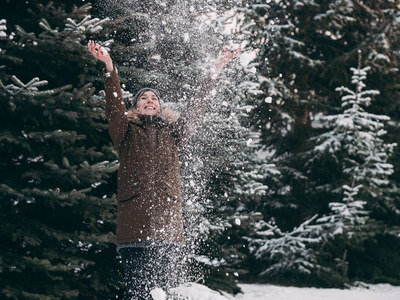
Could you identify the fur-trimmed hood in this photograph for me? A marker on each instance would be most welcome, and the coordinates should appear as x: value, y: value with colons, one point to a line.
x: 167, y: 116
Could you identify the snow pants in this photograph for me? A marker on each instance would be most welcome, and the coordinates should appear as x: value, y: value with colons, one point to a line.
x: 146, y: 268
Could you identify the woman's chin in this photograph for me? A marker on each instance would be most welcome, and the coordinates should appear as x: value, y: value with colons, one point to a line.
x: 149, y: 112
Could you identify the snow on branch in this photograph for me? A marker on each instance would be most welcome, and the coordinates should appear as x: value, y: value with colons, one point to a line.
x: 64, y: 198
x: 25, y: 35
x: 302, y: 57
x: 287, y: 251
x: 30, y: 88
x: 72, y: 26
x: 293, y: 42
x: 86, y: 25
x: 3, y: 29
x: 46, y: 26
x: 348, y: 217
x: 3, y: 36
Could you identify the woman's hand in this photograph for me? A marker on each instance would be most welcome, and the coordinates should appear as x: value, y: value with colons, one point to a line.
x: 224, y: 59
x: 101, y: 54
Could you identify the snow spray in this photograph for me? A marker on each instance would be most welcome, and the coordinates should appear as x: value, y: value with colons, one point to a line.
x: 171, y: 46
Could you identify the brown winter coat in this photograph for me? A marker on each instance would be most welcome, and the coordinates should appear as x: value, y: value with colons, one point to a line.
x: 149, y: 201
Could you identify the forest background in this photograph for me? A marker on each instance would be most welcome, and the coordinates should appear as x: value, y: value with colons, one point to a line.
x: 292, y: 178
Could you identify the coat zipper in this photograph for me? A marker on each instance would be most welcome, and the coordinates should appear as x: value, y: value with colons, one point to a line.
x: 152, y: 183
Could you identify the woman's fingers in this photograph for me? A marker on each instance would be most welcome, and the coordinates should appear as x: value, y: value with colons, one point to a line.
x: 99, y: 53
x: 94, y: 48
x: 233, y: 54
x: 226, y: 57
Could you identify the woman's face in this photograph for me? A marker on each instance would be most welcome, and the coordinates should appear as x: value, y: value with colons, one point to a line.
x: 148, y: 104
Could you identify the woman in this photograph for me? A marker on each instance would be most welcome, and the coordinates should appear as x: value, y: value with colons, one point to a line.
x: 149, y: 233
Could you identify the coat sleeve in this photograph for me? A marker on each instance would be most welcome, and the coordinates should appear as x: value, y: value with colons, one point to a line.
x: 116, y: 115
x: 193, y: 114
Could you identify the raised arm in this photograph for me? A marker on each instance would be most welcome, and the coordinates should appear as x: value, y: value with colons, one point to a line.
x: 115, y: 104
x: 194, y: 111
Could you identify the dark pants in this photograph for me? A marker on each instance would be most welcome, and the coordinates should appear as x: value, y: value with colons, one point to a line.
x: 151, y: 267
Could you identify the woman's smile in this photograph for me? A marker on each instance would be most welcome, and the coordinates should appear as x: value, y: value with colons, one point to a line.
x: 148, y: 104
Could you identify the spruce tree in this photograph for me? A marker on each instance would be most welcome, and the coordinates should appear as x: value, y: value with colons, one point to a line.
x: 56, y: 197
x: 354, y: 146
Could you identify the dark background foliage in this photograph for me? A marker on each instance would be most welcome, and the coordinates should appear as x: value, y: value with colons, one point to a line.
x: 247, y: 176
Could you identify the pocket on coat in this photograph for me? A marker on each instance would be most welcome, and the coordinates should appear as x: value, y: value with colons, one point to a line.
x: 129, y: 191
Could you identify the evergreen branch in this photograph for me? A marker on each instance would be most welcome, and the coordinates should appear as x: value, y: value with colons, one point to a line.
x: 7, y: 136
x: 51, y: 92
x: 25, y: 35
x: 15, y: 60
x: 9, y: 191
x: 40, y: 263
x: 63, y: 88
x: 57, y: 194
x: 303, y: 225
x: 81, y: 9
x: 78, y: 192
x: 85, y: 25
x: 3, y: 29
x: 104, y: 165
x: 44, y: 24
x: 49, y: 5
x: 30, y: 88
x: 83, y: 92
x: 19, y: 82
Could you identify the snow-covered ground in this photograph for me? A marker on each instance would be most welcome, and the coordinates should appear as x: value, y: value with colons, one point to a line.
x: 266, y: 292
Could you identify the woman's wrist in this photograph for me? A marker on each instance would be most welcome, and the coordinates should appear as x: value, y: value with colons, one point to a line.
x: 109, y: 66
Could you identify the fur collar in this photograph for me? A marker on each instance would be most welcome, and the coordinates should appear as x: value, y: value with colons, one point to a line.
x: 167, y: 116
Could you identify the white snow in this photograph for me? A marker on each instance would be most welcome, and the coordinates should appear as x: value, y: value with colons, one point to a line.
x: 104, y: 51
x: 268, y: 100
x: 158, y: 294
x: 246, y: 58
x: 263, y: 292
x: 193, y: 291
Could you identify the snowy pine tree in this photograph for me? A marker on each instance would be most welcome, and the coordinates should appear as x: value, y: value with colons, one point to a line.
x: 355, y: 151
x: 355, y: 141
x: 57, y: 210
